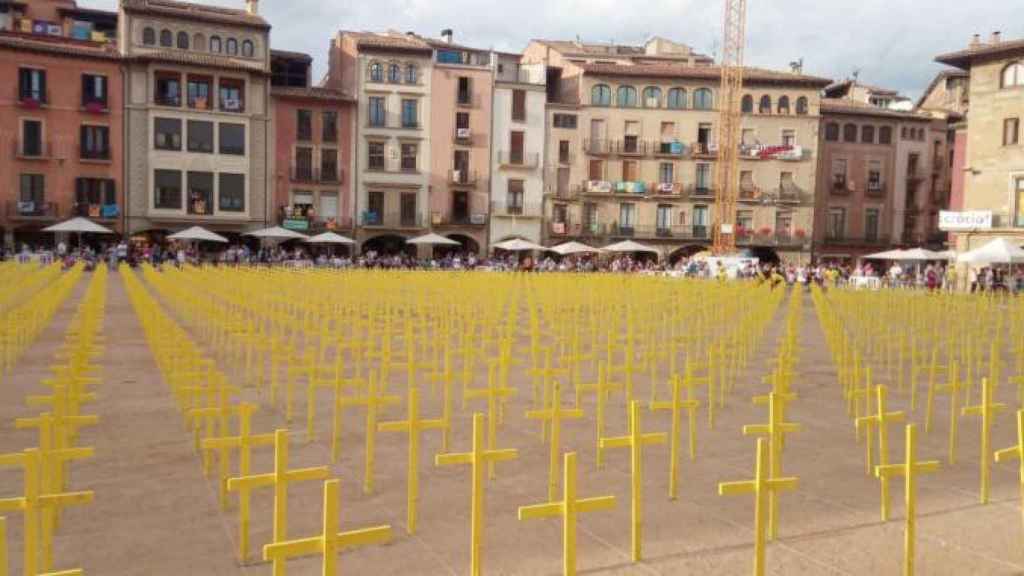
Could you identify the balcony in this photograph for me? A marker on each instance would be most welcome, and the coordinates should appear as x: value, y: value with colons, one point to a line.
x: 789, y: 194
x: 700, y: 191
x: 330, y: 175
x: 462, y: 136
x: 459, y: 219
x: 614, y: 230
x: 96, y: 211
x: 666, y: 188
x: 597, y: 147
x: 392, y: 220
x: 566, y: 158
x: 466, y: 178
x: 632, y: 147
x: 771, y: 238
x: 844, y: 240
x: 518, y: 159
x: 668, y: 149
x: 32, y: 210
x: 32, y: 150
x: 841, y: 187
x: 467, y: 99
x: 32, y: 99
x: 704, y: 150
x: 167, y: 100
x: 875, y: 190
x: 528, y: 210
x: 303, y: 173
x: 915, y: 174
x: 93, y: 155
x: 307, y: 220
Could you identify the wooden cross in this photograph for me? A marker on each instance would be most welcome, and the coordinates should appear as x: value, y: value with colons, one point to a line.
x: 909, y: 470
x: 601, y: 389
x: 881, y: 420
x: 34, y: 501
x: 987, y: 410
x: 1016, y: 453
x: 555, y: 414
x: 762, y: 485
x: 477, y: 458
x: 280, y: 478
x: 330, y: 540
x: 675, y: 405
x: 569, y: 507
x: 635, y: 441
x: 775, y: 431
x: 413, y: 425
x: 494, y: 393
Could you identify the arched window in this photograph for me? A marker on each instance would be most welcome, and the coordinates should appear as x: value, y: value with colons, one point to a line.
x: 394, y: 74
x: 215, y: 44
x: 652, y: 97
x: 702, y: 99
x: 199, y: 42
x: 747, y: 104
x: 148, y: 36
x: 832, y: 132
x: 601, y: 95
x: 850, y: 133
x: 1013, y: 75
x: 183, y: 40
x: 248, y: 48
x: 231, y: 47
x: 801, y: 106
x: 783, y: 105
x: 677, y: 98
x: 411, y: 74
x: 867, y: 134
x: 885, y: 135
x: 765, y: 106
x: 376, y: 72
x: 166, y: 38
x: 626, y: 97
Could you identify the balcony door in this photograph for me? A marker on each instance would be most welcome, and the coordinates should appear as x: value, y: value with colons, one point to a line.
x: 596, y: 131
x: 460, y: 207
x: 516, y: 142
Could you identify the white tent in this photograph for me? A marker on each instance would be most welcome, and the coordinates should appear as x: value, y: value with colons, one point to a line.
x: 276, y: 233
x: 330, y: 238
x: 432, y: 239
x: 518, y: 245
x: 887, y: 255
x: 199, y: 234
x: 922, y: 255
x: 79, y: 225
x: 630, y: 246
x: 574, y: 248
x: 998, y: 251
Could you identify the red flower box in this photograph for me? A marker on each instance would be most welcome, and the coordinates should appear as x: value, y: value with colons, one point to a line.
x: 95, y: 107
x: 30, y: 103
x: 766, y: 231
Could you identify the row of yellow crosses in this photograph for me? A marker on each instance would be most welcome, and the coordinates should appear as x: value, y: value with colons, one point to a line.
x: 275, y: 329
x: 46, y: 467
x: 952, y: 344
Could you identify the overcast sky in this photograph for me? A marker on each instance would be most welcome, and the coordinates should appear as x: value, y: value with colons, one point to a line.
x: 891, y: 42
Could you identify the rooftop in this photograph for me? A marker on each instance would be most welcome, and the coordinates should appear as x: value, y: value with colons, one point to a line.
x: 197, y: 12
x: 596, y: 49
x: 992, y: 50
x: 750, y: 75
x: 940, y: 77
x: 855, y: 107
x: 58, y: 45
x: 389, y: 41
x: 845, y: 86
x: 288, y: 54
x: 200, y: 59
x: 311, y: 92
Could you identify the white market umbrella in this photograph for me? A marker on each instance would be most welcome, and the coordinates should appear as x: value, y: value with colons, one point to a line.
x: 330, y: 238
x: 277, y: 233
x: 921, y: 255
x: 432, y: 239
x: 887, y: 255
x: 198, y: 234
x: 630, y: 246
x: 998, y: 251
x: 80, y: 226
x: 574, y: 248
x: 518, y: 245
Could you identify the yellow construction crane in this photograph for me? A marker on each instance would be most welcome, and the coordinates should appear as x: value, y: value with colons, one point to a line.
x: 729, y: 95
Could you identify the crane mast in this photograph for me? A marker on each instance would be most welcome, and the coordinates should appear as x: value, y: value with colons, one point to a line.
x: 729, y: 95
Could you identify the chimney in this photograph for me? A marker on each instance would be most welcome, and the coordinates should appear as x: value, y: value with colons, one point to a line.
x: 996, y: 37
x: 975, y: 41
x: 252, y: 7
x: 447, y: 35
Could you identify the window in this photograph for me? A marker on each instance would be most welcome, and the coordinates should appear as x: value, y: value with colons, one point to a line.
x: 248, y: 48
x: 664, y: 218
x: 200, y: 192
x: 33, y: 192
x: 94, y: 90
x: 376, y: 72
x: 377, y: 111
x: 200, y: 136
x: 303, y: 169
x: 872, y: 217
x: 199, y: 92
x: 232, y: 95
x: 411, y: 74
x: 148, y: 36
x: 704, y: 177
x: 330, y: 126
x: 514, y: 199
x: 626, y: 97
x: 885, y: 135
x: 765, y: 106
x: 167, y: 133
x: 166, y: 38
x: 168, y: 89
x: 563, y: 152
x: 702, y: 99
x: 1019, y: 197
x: 183, y: 40
x: 32, y: 85
x: 874, y: 176
x: 374, y: 207
x: 517, y: 141
x: 394, y: 74
x: 94, y: 143
x: 167, y: 189
x: 801, y: 106
x: 31, y: 138
x: 231, y: 47
x: 783, y: 105
x: 328, y: 206
x: 409, y: 152
x: 231, y: 192
x: 748, y: 137
x: 596, y: 170
x: 600, y: 95
x: 215, y: 45
x: 232, y: 138
x: 461, y: 122
x: 375, y: 155
x: 666, y: 173
x: 629, y: 170
x: 839, y: 174
x: 836, y: 228
x: 747, y: 104
x: 850, y: 133
x: 832, y: 132
x: 567, y: 121
x: 677, y: 98
x: 745, y: 219
x: 94, y: 192
x: 328, y: 165
x: 789, y: 137
x: 652, y: 97
x: 304, y: 125
x: 463, y: 94
x: 199, y: 42
x: 627, y: 215
x: 1013, y: 75
x: 1011, y: 131
x: 519, y: 105
x: 408, y: 209
x: 409, y: 108
x: 867, y: 134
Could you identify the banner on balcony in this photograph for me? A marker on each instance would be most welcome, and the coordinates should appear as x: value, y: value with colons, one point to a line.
x: 964, y: 221
x: 295, y: 224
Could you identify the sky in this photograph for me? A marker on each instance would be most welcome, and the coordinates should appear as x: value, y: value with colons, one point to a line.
x: 892, y: 43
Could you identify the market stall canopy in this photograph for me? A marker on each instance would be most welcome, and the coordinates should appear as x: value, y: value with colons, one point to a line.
x: 330, y: 238
x: 277, y: 233
x: 630, y: 246
x: 518, y: 245
x: 574, y: 248
x: 79, y: 225
x: 432, y: 239
x: 998, y: 251
x: 198, y: 233
x: 887, y: 255
x: 922, y: 255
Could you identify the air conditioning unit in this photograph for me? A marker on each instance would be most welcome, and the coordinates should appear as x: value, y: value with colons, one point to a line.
x: 463, y: 133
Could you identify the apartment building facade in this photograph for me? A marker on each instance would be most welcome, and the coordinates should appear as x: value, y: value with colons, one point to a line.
x: 61, y: 152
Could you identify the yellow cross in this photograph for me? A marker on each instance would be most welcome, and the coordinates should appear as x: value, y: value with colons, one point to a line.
x: 494, y: 393
x: 880, y: 420
x: 1016, y: 452
x: 775, y: 431
x: 987, y: 410
x: 413, y: 425
x: 330, y: 540
x: 675, y: 405
x: 568, y: 508
x: 547, y: 375
x: 280, y: 478
x: 635, y: 441
x: 601, y: 388
x: 476, y: 459
x: 909, y: 470
x: 762, y: 484
x: 555, y: 414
